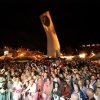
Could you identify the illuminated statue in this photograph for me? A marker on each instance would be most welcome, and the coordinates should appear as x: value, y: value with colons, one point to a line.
x: 53, y: 46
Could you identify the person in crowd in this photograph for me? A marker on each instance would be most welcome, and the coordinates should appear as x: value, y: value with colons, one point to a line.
x: 2, y: 87
x: 33, y: 75
x: 78, y: 77
x: 12, y: 72
x: 82, y: 87
x: 87, y: 83
x: 98, y: 75
x: 73, y: 80
x: 74, y: 96
x: 2, y: 79
x: 55, y: 71
x: 93, y: 81
x: 45, y: 75
x: 55, y: 78
x: 24, y: 87
x: 9, y: 95
x: 40, y: 84
x: 97, y: 93
x: 8, y: 75
x: 31, y: 90
x: 90, y: 94
x: 17, y: 89
x: 47, y: 89
x: 79, y: 92
x: 56, y: 91
x: 85, y: 72
x: 58, y: 70
x: 27, y: 72
x: 24, y: 79
x: 13, y: 79
x: 66, y: 90
x: 98, y: 83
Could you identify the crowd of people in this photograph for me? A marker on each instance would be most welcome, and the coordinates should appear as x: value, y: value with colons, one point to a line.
x: 50, y: 79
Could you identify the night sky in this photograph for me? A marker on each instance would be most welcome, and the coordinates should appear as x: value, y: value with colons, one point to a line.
x: 76, y: 23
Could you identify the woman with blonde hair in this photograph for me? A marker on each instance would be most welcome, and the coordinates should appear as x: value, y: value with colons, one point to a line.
x: 40, y: 84
x: 98, y: 83
x: 97, y: 93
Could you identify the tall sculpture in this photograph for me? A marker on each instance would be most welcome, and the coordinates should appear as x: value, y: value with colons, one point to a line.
x: 53, y: 46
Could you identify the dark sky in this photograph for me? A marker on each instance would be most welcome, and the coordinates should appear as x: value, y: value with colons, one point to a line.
x: 75, y: 23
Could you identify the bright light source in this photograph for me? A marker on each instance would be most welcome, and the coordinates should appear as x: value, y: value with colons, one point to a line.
x: 50, y: 57
x: 21, y: 54
x: 82, y: 55
x: 61, y: 54
x: 6, y: 53
x: 93, y: 54
x: 67, y: 57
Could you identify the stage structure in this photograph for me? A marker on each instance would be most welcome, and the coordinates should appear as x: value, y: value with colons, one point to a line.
x: 53, y: 46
